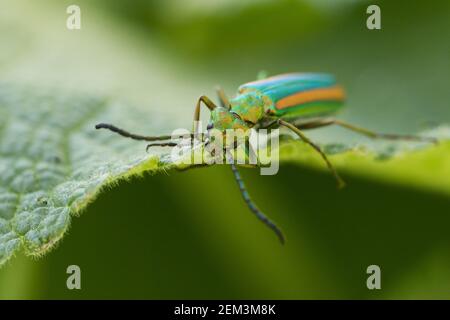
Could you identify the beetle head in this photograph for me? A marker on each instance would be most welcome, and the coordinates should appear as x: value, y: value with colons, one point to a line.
x: 227, y: 126
x: 223, y: 119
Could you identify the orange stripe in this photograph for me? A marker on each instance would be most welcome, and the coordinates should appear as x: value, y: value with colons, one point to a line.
x: 325, y: 94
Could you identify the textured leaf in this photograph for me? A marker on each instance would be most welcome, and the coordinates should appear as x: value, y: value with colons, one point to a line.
x: 408, y: 164
x: 53, y: 162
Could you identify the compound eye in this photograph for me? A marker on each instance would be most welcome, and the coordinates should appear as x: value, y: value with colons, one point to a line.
x: 210, y: 126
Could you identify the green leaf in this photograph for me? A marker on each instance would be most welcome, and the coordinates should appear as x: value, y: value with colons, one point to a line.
x: 407, y: 164
x: 53, y: 162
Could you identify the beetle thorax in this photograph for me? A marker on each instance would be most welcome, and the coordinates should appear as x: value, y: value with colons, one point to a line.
x: 249, y: 106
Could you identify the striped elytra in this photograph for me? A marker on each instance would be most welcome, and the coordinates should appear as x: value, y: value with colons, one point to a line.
x: 296, y: 95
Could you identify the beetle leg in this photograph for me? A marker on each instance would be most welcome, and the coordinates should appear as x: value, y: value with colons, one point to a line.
x: 375, y: 135
x: 224, y: 102
x: 363, y: 131
x: 312, y: 124
x: 290, y: 126
x: 209, y: 104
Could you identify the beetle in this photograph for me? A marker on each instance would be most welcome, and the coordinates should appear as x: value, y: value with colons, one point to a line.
x: 296, y: 101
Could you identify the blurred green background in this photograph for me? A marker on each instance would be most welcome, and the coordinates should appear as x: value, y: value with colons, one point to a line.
x: 188, y: 234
